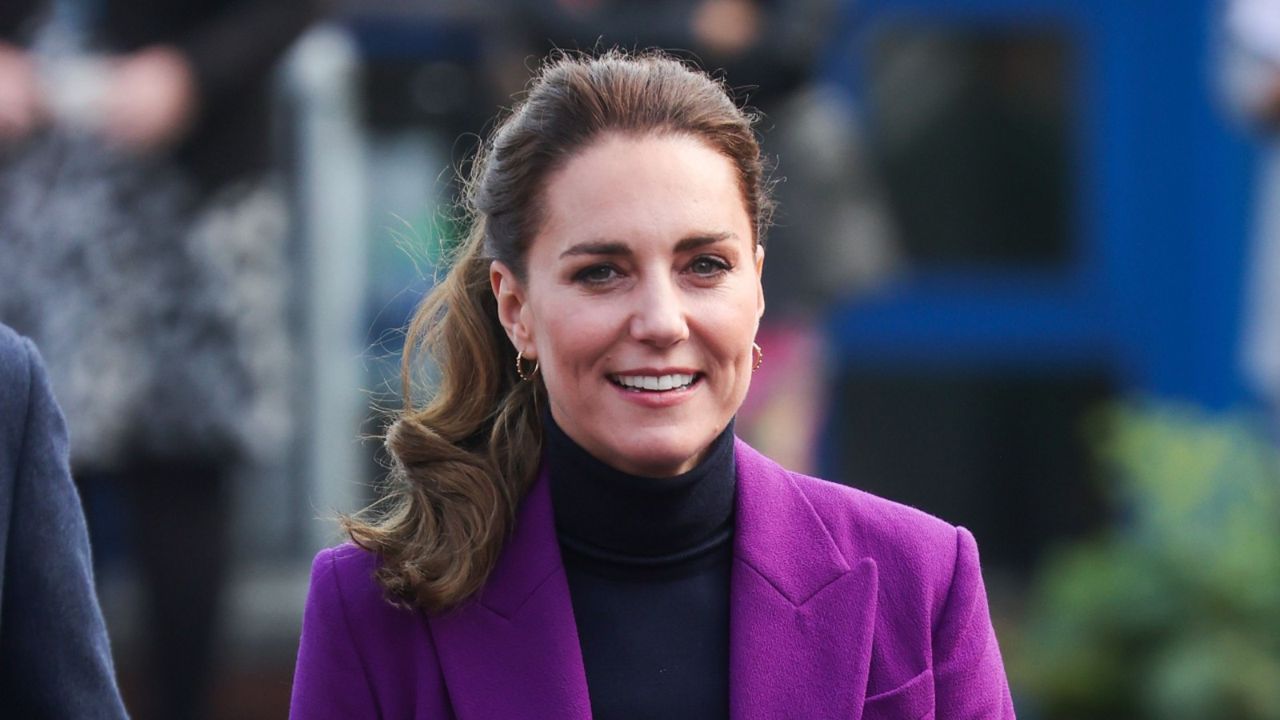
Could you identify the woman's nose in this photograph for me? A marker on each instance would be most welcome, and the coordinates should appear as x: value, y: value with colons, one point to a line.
x: 659, y: 315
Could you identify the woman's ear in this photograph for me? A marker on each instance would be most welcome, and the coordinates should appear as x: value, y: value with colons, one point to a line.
x: 509, y: 292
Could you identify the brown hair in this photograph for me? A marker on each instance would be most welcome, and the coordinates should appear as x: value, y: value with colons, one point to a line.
x: 462, y: 462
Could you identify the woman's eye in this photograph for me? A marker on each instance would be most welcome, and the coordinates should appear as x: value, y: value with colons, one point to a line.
x: 596, y: 274
x: 708, y: 266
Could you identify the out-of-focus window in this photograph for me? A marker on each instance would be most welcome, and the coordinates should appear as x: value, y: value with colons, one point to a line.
x: 971, y: 130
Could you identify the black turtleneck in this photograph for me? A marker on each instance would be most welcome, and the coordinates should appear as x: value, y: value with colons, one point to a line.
x: 648, y: 563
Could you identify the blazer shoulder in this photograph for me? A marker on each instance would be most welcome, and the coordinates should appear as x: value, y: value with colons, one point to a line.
x: 348, y: 559
x: 902, y: 539
x: 906, y: 543
x: 345, y: 597
x: 347, y: 573
x: 873, y: 518
x: 359, y: 651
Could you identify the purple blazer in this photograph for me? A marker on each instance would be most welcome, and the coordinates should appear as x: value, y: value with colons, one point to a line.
x: 843, y: 605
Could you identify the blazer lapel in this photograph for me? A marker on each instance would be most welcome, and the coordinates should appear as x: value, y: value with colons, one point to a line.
x: 801, y: 613
x: 513, y: 651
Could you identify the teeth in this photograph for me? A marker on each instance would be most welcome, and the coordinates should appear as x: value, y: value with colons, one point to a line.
x: 655, y: 382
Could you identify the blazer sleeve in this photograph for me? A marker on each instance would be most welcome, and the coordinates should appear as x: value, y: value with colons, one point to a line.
x: 330, y: 680
x: 55, y: 659
x: 969, y: 678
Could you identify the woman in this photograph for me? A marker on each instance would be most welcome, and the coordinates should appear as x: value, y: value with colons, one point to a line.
x: 572, y: 530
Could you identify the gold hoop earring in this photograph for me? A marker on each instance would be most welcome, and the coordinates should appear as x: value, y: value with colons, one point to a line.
x: 759, y: 355
x: 520, y: 367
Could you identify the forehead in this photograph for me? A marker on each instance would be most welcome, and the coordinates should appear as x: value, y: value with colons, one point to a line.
x: 642, y: 190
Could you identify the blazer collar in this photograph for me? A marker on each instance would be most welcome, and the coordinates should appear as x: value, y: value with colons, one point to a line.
x: 513, y: 650
x: 801, y: 615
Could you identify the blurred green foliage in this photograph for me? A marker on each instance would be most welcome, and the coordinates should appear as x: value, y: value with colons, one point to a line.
x: 1173, y: 613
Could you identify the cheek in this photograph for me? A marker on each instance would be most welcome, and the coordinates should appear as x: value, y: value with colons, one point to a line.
x: 728, y: 345
x: 572, y: 342
x: 731, y: 325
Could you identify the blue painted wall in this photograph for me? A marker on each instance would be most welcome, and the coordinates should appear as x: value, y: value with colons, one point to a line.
x: 1153, y: 292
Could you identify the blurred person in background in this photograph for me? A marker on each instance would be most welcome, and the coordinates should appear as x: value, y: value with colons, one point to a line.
x: 571, y: 528
x: 832, y: 219
x: 142, y: 247
x: 55, y: 660
x: 1252, y: 82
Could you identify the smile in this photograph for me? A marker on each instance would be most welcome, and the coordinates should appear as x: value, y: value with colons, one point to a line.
x: 655, y: 383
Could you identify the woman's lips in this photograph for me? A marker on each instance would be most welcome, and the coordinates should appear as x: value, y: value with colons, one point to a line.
x: 656, y: 399
x: 655, y: 382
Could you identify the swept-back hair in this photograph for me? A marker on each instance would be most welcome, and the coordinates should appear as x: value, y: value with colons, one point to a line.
x: 462, y: 462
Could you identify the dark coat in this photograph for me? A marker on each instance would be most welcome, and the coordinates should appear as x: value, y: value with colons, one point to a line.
x: 55, y: 661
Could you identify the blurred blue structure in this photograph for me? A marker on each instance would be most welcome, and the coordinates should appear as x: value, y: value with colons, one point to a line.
x: 1151, y: 291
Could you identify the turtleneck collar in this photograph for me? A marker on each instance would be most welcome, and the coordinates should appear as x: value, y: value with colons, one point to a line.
x: 611, y: 515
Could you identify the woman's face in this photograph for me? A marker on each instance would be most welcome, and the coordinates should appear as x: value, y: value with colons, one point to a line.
x: 641, y: 300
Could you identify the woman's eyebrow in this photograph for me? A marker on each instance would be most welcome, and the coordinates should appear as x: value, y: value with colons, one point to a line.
x: 693, y: 242
x: 599, y: 247
x: 610, y: 247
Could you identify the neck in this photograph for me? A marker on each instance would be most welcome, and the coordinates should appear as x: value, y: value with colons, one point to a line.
x: 602, y: 510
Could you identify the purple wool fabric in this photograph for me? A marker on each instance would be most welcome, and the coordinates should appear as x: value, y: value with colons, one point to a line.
x: 843, y: 605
